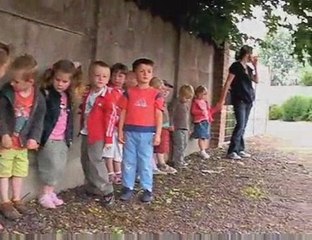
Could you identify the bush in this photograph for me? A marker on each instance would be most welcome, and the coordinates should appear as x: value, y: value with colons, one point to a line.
x: 306, y: 78
x: 275, y: 112
x: 296, y: 108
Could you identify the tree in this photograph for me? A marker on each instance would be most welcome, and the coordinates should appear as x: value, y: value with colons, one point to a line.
x: 215, y: 20
x: 276, y: 52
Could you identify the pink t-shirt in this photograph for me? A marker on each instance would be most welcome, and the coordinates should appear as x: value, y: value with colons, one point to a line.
x: 58, y: 132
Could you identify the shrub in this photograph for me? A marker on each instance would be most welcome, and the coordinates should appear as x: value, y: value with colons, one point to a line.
x: 306, y: 78
x: 275, y: 112
x: 296, y: 108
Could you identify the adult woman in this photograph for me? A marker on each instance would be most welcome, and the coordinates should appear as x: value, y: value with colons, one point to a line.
x: 239, y: 82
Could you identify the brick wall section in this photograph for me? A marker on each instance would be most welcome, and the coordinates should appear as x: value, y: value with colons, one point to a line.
x: 221, y: 62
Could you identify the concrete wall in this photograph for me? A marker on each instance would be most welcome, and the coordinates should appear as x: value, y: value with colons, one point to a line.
x: 112, y: 30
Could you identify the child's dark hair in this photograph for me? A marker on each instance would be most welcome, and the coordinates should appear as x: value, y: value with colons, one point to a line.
x: 28, y: 64
x: 65, y: 66
x: 140, y: 61
x: 98, y: 63
x: 119, y: 68
x: 199, y: 90
x: 5, y: 53
x: 242, y: 52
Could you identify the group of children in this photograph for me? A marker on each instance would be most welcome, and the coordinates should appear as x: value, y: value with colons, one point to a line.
x: 126, y: 128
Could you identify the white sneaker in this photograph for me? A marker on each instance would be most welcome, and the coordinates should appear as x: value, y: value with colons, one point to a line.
x: 244, y: 154
x: 234, y: 156
x: 204, y: 155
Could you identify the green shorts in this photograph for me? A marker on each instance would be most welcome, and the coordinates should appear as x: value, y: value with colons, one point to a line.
x: 13, y: 163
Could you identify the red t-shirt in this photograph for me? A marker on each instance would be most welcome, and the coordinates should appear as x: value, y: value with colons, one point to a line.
x: 141, y: 105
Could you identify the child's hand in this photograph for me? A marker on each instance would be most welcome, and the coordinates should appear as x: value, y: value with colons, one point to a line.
x: 121, y: 137
x: 32, y: 144
x: 108, y: 146
x: 6, y: 141
x: 156, y: 140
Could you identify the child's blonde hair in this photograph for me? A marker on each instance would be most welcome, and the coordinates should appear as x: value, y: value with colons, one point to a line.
x: 186, y: 91
x: 5, y: 53
x: 65, y: 66
x: 156, y: 83
x: 199, y: 90
x: 28, y: 64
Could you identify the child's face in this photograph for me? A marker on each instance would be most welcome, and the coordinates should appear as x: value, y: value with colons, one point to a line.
x: 61, y: 81
x: 165, y: 91
x: 203, y: 95
x: 99, y: 76
x: 20, y: 84
x: 131, y: 80
x: 4, y: 68
x: 144, y: 73
x: 118, y: 79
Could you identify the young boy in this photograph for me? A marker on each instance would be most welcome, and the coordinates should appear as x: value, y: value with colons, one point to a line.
x: 139, y: 129
x: 21, y: 124
x: 181, y: 122
x: 96, y: 134
x: 165, y: 142
x: 113, y: 155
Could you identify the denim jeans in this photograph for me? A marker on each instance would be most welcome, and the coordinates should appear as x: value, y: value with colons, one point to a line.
x: 241, y: 112
x: 137, y: 158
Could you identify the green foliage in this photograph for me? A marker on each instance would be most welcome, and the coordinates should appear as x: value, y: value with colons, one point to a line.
x: 306, y: 78
x: 215, y: 20
x: 275, y: 112
x: 276, y: 52
x: 297, y: 108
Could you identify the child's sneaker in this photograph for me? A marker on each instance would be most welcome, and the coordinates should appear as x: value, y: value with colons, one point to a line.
x: 46, y: 201
x: 167, y: 169
x: 21, y: 207
x: 234, y: 156
x: 109, y: 200
x: 126, y: 194
x: 9, y: 211
x: 243, y: 154
x: 204, y: 155
x: 57, y: 201
x: 147, y: 196
x: 156, y: 171
x: 111, y: 177
x: 118, y: 179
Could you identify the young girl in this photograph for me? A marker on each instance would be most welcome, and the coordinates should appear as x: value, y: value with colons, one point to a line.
x: 113, y: 154
x: 57, y: 86
x: 202, y: 115
x: 4, y: 63
x: 181, y: 123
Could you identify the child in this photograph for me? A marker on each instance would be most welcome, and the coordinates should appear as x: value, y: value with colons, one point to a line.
x: 165, y: 141
x: 21, y: 123
x: 4, y: 59
x: 113, y: 154
x: 58, y: 86
x: 202, y: 118
x: 139, y: 129
x: 97, y: 132
x: 181, y: 123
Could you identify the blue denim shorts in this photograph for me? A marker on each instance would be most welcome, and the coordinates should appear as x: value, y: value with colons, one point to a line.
x: 201, y: 130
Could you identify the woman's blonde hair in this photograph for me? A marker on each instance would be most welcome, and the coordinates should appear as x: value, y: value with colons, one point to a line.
x: 186, y: 91
x: 156, y: 83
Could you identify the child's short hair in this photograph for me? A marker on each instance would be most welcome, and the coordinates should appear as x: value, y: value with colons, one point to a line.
x: 156, y: 83
x: 186, y: 91
x: 5, y: 53
x: 28, y: 64
x: 119, y: 67
x: 65, y: 66
x: 98, y: 63
x: 200, y: 89
x: 140, y: 61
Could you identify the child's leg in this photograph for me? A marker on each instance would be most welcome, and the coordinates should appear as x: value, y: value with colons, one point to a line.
x: 17, y: 183
x: 203, y: 144
x: 110, y: 169
x: 180, y: 139
x: 4, y: 185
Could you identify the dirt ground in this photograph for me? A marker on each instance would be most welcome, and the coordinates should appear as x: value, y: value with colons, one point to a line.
x: 271, y: 192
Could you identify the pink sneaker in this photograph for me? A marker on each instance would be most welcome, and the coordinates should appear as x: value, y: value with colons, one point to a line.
x: 57, y: 201
x: 46, y: 201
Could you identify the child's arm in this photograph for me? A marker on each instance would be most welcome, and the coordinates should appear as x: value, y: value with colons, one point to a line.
x: 121, y: 124
x: 195, y: 109
x: 110, y: 124
x: 159, y: 121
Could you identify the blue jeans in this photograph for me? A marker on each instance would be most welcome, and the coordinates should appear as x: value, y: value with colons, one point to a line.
x: 241, y: 112
x: 138, y: 155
